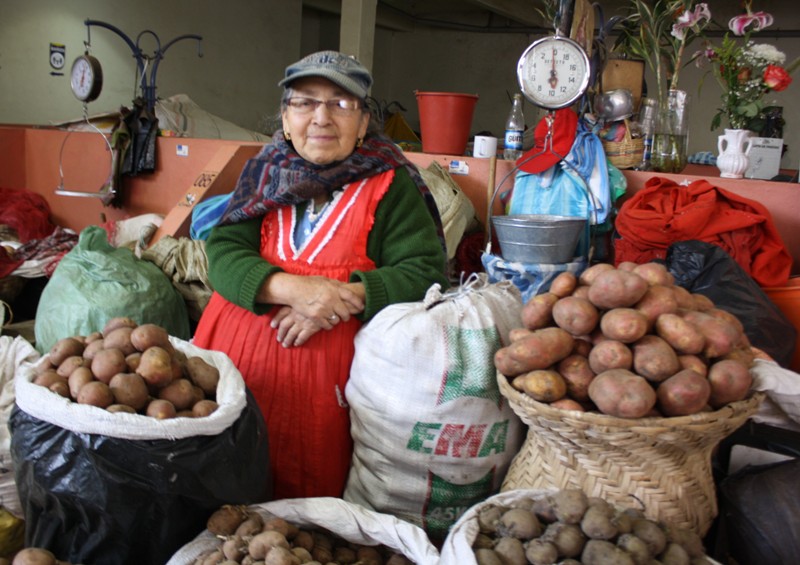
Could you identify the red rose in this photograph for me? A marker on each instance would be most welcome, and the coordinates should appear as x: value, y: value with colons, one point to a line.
x: 776, y: 78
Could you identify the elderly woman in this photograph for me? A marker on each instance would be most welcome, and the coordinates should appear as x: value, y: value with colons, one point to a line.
x: 326, y: 226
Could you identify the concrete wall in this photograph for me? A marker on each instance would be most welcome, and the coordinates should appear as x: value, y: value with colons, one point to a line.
x: 248, y: 43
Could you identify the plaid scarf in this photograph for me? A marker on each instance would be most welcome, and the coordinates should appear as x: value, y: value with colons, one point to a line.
x: 278, y: 176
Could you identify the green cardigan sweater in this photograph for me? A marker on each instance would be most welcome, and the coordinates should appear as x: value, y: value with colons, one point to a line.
x: 403, y: 244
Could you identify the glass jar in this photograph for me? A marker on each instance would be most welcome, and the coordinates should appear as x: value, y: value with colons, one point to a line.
x: 671, y: 135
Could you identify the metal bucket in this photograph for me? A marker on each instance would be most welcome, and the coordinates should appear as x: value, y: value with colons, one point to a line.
x: 532, y: 238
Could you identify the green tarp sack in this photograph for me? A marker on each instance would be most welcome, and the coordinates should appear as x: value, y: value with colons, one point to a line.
x: 95, y: 282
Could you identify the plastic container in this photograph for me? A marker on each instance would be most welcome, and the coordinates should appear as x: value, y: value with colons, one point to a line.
x: 445, y: 120
x: 787, y: 299
x: 536, y: 238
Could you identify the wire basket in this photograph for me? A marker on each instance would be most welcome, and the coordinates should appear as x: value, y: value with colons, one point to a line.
x: 662, y: 465
x: 625, y: 154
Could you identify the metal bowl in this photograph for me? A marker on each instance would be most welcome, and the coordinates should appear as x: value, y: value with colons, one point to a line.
x: 532, y: 238
x: 614, y: 105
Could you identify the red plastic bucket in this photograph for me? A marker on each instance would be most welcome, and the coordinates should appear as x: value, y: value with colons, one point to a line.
x: 787, y: 299
x: 445, y: 119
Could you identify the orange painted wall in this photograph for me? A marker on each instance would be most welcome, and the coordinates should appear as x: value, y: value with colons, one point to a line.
x: 30, y: 157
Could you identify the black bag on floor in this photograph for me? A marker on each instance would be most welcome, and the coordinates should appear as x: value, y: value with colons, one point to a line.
x: 708, y: 269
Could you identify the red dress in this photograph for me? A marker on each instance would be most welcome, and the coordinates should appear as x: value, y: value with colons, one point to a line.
x: 300, y: 390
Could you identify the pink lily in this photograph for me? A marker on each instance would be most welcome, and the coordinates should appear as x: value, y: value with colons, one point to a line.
x: 739, y: 24
x: 691, y: 19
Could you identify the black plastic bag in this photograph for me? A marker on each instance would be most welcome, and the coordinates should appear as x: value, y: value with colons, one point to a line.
x: 760, y: 515
x: 709, y: 270
x: 96, y: 499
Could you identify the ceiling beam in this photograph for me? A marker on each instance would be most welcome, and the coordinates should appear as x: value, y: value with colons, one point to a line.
x: 383, y: 18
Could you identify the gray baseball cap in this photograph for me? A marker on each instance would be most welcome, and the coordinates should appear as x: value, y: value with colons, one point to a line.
x: 343, y: 70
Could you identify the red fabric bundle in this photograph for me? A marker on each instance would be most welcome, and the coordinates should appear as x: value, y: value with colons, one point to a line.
x: 27, y: 212
x: 663, y: 213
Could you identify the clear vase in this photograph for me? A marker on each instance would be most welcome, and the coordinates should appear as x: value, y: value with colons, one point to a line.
x: 734, y: 150
x: 671, y: 135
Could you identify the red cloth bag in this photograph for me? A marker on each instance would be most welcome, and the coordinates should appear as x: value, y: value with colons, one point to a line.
x: 663, y: 213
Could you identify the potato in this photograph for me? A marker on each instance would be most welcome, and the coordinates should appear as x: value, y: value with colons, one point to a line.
x: 624, y: 324
x: 621, y: 393
x: 160, y: 409
x: 120, y: 408
x: 95, y: 393
x: 70, y: 364
x: 674, y: 554
x: 146, y: 336
x: 118, y: 322
x: 680, y: 334
x: 129, y: 389
x: 203, y: 374
x: 516, y: 334
x: 92, y: 348
x: 654, y: 359
x: 63, y: 348
x: 720, y: 336
x: 77, y: 379
x: 261, y: 544
x: 636, y: 547
x: 541, y: 552
x: 588, y: 276
x: 542, y: 349
x: 564, y: 284
x: 567, y: 403
x: 569, y: 539
x: 204, y: 408
x: 655, y: 274
x: 658, y: 299
x: 519, y: 523
x: 627, y: 266
x: 569, y: 505
x: 602, y: 552
x: 582, y: 291
x: 179, y: 392
x: 582, y: 346
x: 107, y: 363
x: 537, y: 312
x: 683, y: 393
x: 730, y: 381
x: 596, y: 523
x: 701, y: 302
x: 683, y: 297
x: 651, y: 533
x: 34, y: 556
x: 511, y: 551
x: 610, y: 354
x: 47, y: 378
x: 617, y: 289
x: 576, y: 315
x: 120, y: 338
x: 694, y: 363
x: 286, y: 528
x: 225, y: 519
x: 486, y: 556
x: 541, y: 384
x: 155, y: 367
x: 577, y: 375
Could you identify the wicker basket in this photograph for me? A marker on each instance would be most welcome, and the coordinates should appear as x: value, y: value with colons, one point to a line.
x: 627, y: 153
x: 663, y: 463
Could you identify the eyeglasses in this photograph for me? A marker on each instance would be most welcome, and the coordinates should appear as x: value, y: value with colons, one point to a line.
x: 336, y: 106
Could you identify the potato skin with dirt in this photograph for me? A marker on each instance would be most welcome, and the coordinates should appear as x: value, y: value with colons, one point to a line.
x: 621, y: 393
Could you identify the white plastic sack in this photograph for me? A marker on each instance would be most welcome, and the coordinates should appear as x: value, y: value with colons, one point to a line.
x: 49, y: 407
x: 14, y: 352
x: 348, y: 521
x: 781, y: 407
x: 432, y: 433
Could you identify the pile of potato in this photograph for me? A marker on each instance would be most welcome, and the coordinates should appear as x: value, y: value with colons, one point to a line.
x: 33, y: 556
x: 248, y: 538
x: 567, y: 527
x: 628, y: 342
x: 132, y: 368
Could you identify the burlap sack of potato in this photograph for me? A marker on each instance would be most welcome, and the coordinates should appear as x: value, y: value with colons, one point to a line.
x: 103, y: 487
x: 432, y: 433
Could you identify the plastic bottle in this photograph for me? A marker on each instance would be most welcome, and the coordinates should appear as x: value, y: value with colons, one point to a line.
x: 515, y: 126
x: 647, y: 121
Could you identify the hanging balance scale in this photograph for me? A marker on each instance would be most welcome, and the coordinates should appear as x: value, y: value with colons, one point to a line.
x: 86, y: 83
x: 553, y: 72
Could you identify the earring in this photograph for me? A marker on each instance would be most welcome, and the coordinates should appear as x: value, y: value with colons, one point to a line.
x: 360, y: 142
x: 287, y: 136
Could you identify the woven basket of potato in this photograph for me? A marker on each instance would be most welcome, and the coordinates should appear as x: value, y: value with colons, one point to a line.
x: 664, y: 463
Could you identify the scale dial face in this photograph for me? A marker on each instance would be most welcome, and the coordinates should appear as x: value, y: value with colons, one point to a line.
x: 86, y: 78
x: 553, y: 72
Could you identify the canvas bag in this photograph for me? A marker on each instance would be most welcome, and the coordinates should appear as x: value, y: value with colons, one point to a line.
x: 432, y: 434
